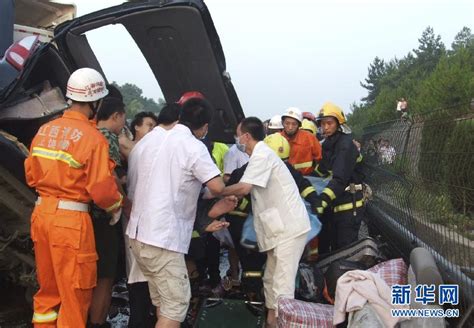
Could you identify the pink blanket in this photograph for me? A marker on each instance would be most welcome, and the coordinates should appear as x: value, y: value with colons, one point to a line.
x: 357, y: 287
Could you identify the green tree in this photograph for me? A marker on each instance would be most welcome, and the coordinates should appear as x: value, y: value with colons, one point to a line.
x: 430, y: 77
x: 372, y: 83
x: 463, y: 40
x: 429, y: 51
x: 135, y: 102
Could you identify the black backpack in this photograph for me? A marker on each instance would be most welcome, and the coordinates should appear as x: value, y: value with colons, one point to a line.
x: 310, y: 283
x: 336, y: 270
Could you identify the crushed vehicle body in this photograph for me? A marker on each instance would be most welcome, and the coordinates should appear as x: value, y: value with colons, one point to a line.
x: 33, y: 81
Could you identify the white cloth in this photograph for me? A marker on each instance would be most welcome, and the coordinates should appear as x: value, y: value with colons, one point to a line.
x: 234, y: 159
x: 387, y: 154
x: 166, y: 172
x: 280, y: 270
x: 355, y: 288
x: 278, y: 209
x: 134, y: 274
x: 399, y: 106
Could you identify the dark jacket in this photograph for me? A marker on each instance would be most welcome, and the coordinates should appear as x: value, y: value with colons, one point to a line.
x: 341, y: 160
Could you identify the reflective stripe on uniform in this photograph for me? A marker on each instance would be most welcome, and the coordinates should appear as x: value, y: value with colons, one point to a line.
x: 303, y: 165
x: 243, y: 204
x: 238, y: 213
x: 348, y: 206
x: 316, y: 169
x: 330, y: 193
x: 57, y: 155
x: 359, y: 159
x: 251, y: 274
x: 313, y: 251
x: 68, y: 205
x: 45, y: 317
x: 307, y: 191
x: 116, y: 205
x: 195, y: 234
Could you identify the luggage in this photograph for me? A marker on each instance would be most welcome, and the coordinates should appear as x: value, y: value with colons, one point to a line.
x: 393, y: 272
x: 295, y: 314
x: 336, y: 270
x: 365, y: 251
x: 229, y: 313
x: 310, y: 283
x: 365, y: 317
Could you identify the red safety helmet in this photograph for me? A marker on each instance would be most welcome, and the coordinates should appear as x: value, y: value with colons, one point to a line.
x: 190, y: 95
x: 309, y: 116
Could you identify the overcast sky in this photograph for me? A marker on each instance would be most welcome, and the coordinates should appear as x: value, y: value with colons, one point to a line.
x: 295, y: 53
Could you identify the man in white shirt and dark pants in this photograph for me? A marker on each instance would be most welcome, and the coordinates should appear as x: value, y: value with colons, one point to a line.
x: 280, y: 217
x: 167, y: 171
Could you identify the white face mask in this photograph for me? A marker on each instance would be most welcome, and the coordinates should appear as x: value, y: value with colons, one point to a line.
x: 204, y: 135
x: 240, y: 146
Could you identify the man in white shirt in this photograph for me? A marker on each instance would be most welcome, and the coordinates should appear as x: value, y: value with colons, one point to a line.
x: 281, y: 220
x: 233, y: 160
x: 166, y: 172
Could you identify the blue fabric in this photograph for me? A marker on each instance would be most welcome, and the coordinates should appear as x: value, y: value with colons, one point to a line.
x: 318, y: 183
x: 249, y: 237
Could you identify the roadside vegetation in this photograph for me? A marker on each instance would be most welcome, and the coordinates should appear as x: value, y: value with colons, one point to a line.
x: 434, y: 145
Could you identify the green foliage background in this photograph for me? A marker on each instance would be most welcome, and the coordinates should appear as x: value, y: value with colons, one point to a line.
x: 438, y: 84
x: 429, y: 77
x: 135, y: 102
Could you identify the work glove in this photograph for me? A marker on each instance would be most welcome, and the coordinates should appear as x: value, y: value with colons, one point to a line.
x: 320, y: 203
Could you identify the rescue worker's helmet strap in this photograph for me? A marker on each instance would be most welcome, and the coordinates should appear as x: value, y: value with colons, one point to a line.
x: 95, y: 106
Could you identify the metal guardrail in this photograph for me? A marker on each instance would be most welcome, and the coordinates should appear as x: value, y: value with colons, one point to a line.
x: 421, y: 169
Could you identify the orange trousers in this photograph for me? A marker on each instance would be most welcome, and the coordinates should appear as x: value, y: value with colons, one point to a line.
x: 65, y: 265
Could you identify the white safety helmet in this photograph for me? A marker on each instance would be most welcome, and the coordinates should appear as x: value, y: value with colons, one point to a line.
x: 86, y: 85
x: 293, y: 112
x: 275, y: 123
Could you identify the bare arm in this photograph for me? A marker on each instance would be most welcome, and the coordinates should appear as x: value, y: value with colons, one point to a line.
x: 126, y: 145
x: 215, y: 186
x: 223, y: 206
x: 239, y: 189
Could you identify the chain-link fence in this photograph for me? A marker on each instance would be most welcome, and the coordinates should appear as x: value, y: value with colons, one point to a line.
x: 421, y: 169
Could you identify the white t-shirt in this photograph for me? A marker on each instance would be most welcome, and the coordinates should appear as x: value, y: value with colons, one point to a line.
x: 279, y: 211
x: 166, y: 173
x: 234, y: 159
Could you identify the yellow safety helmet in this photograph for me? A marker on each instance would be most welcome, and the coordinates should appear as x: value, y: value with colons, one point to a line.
x: 308, y: 125
x: 331, y: 110
x: 279, y: 145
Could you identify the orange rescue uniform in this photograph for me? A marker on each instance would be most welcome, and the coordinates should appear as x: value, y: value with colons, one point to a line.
x: 69, y: 166
x: 305, y: 151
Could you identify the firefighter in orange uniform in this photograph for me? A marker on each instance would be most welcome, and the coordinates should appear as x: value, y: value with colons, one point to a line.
x: 69, y: 166
x: 305, y: 148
